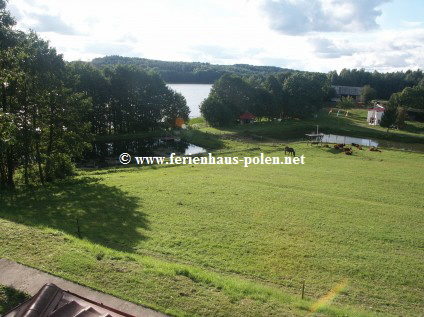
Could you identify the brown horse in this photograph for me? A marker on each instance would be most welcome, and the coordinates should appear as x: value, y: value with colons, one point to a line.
x: 289, y: 150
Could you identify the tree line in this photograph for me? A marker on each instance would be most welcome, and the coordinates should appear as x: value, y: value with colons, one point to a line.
x: 51, y: 109
x: 126, y: 99
x: 301, y: 94
x: 188, y: 72
x: 385, y: 84
x: 296, y: 94
x: 409, y: 99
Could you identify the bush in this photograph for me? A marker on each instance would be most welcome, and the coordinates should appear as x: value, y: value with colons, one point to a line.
x: 59, y: 166
x: 346, y: 103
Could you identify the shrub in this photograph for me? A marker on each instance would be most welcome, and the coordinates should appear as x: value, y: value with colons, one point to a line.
x: 59, y: 166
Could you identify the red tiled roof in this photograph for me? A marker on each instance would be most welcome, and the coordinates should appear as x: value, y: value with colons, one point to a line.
x: 247, y: 115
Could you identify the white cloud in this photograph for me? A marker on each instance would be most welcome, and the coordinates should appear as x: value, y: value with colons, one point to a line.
x: 412, y: 24
x: 52, y: 23
x: 329, y: 33
x: 326, y: 48
x: 393, y: 50
x: 305, y: 16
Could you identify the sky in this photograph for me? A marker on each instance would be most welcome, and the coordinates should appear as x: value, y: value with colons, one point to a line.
x: 311, y: 35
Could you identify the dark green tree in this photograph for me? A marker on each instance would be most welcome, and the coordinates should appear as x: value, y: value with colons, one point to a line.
x: 412, y: 97
x: 6, y: 24
x: 264, y: 106
x: 388, y: 120
x: 305, y: 93
x: 235, y: 93
x: 401, y: 116
x: 85, y: 78
x: 279, y: 100
x: 367, y: 94
x: 48, y: 117
x: 346, y: 103
x: 175, y: 109
x: 215, y: 112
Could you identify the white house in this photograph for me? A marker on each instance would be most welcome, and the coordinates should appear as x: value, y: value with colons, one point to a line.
x: 375, y: 114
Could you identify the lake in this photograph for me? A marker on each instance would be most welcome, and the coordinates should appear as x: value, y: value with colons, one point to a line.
x: 194, y: 94
x: 105, y: 154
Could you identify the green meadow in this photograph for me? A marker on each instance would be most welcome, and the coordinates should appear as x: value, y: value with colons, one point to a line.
x: 228, y: 240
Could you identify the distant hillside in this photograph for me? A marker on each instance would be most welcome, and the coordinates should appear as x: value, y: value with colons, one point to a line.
x: 189, y: 72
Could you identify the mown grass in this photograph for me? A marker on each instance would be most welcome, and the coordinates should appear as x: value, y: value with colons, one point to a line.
x: 224, y: 240
x: 10, y: 298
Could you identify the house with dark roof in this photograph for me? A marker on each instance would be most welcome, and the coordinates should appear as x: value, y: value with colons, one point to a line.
x: 346, y: 91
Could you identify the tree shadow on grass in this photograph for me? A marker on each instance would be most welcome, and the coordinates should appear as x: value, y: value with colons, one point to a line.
x: 10, y: 298
x: 412, y: 128
x: 106, y: 215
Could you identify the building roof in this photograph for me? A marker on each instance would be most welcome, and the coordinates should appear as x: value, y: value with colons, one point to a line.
x: 347, y: 90
x: 52, y: 301
x: 247, y: 115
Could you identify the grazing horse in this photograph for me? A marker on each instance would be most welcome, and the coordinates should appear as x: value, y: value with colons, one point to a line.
x: 289, y: 150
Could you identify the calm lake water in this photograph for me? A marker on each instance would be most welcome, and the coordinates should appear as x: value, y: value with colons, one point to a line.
x: 333, y: 138
x: 194, y: 94
x: 106, y: 153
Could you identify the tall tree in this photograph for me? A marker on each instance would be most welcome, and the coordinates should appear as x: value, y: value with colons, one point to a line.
x: 401, y: 116
x: 235, y: 93
x: 176, y: 110
x: 388, y: 120
x: 89, y: 80
x: 41, y: 108
x: 279, y: 100
x: 304, y: 93
x: 367, y: 94
x: 215, y: 111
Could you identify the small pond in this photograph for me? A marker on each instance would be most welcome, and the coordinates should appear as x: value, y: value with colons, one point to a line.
x: 333, y: 138
x: 105, y: 154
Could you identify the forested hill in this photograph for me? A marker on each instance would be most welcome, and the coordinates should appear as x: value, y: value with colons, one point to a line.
x: 189, y: 72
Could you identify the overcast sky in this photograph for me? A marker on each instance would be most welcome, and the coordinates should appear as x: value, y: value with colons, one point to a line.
x: 314, y: 35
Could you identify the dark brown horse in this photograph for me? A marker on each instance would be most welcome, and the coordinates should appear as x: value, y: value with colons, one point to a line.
x: 289, y: 150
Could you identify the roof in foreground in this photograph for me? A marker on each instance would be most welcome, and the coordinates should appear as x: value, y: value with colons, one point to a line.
x: 52, y: 301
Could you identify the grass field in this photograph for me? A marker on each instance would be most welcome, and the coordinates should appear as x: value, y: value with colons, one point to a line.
x: 224, y: 240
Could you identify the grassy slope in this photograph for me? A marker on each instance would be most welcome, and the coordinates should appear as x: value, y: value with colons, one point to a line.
x: 234, y: 241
